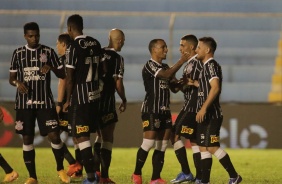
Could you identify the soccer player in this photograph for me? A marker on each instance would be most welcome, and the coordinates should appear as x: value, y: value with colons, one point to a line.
x: 30, y: 74
x: 156, y: 115
x: 75, y: 167
x: 209, y: 114
x: 83, y: 93
x: 11, y: 174
x: 185, y: 124
x: 113, y: 82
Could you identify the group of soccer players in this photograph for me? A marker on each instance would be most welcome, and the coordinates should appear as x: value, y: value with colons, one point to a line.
x: 89, y: 76
x: 199, y: 120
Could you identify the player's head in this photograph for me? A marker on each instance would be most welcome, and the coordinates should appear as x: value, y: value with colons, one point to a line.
x: 116, y: 39
x: 62, y: 43
x: 206, y: 48
x: 31, y: 34
x: 75, y: 25
x: 158, y: 49
x: 188, y: 43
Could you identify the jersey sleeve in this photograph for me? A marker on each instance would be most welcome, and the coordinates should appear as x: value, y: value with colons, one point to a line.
x: 213, y: 71
x: 119, y: 68
x: 14, y: 62
x: 71, y: 57
x: 55, y: 62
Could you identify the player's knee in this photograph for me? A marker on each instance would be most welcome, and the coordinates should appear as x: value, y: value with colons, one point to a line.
x: 147, y: 144
x: 107, y: 146
x: 161, y: 145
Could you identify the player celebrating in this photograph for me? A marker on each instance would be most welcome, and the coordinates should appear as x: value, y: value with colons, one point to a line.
x: 75, y: 167
x: 185, y: 124
x: 156, y: 115
x: 83, y: 92
x: 113, y: 81
x: 29, y: 73
x: 209, y: 114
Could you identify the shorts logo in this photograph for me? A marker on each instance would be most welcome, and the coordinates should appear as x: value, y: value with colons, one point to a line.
x: 19, y: 125
x: 214, y: 139
x: 80, y: 129
x: 145, y: 123
x: 186, y: 130
x: 63, y: 123
x: 157, y: 123
x: 108, y: 117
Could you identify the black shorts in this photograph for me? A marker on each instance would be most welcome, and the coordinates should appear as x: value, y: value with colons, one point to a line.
x: 208, y: 132
x: 107, y: 118
x: 47, y: 120
x: 155, y: 122
x: 185, y: 125
x: 64, y: 123
x: 84, y: 119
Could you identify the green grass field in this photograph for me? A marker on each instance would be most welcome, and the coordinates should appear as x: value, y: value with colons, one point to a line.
x: 255, y: 166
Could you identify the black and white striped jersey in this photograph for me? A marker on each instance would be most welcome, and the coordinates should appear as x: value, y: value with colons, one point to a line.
x: 84, y: 56
x: 115, y: 69
x: 157, y: 99
x: 211, y: 69
x: 191, y: 70
x: 27, y: 62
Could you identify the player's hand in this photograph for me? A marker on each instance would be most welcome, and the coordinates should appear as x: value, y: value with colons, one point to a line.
x: 201, y: 115
x: 1, y: 115
x: 185, y: 57
x: 66, y: 106
x: 122, y: 107
x: 45, y: 69
x: 23, y: 89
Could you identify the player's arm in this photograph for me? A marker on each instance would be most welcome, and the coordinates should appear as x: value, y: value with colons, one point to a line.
x: 168, y: 73
x: 55, y: 66
x: 61, y: 94
x: 175, y: 85
x: 69, y: 87
x: 214, y: 91
x: 14, y: 82
x: 121, y: 92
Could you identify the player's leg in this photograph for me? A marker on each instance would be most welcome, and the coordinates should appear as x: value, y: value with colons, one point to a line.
x: 222, y: 155
x: 162, y: 138
x: 48, y: 124
x: 182, y: 128
x: 25, y: 123
x: 97, y: 152
x: 149, y: 135
x: 11, y: 174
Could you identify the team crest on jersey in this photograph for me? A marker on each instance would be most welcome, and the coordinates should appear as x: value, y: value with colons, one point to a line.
x: 43, y: 58
x: 19, y: 125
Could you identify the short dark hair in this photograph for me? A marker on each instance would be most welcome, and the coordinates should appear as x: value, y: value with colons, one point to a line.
x: 65, y: 38
x: 76, y: 21
x: 153, y: 43
x: 31, y: 26
x: 210, y: 42
x: 192, y: 39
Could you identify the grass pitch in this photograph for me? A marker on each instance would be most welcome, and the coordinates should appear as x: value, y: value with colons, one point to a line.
x: 256, y: 166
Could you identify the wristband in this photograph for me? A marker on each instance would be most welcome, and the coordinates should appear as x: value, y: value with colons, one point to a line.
x: 60, y: 104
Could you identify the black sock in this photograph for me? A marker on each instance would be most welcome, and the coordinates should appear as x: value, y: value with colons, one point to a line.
x: 78, y: 156
x: 228, y: 166
x: 158, y: 163
x: 67, y: 155
x: 59, y: 157
x: 29, y: 160
x: 4, y: 164
x: 197, y: 163
x: 140, y: 161
x: 206, y: 169
x: 106, y: 157
x: 97, y: 155
x: 182, y: 159
x: 88, y: 163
